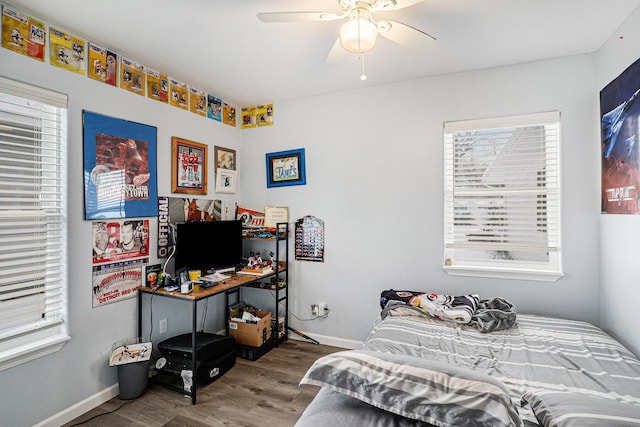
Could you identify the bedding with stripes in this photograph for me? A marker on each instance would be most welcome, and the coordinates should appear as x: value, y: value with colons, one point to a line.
x: 556, y: 372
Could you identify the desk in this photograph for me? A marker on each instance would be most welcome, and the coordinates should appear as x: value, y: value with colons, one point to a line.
x: 231, y: 284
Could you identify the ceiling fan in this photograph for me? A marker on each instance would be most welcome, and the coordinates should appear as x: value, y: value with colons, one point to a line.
x: 359, y: 33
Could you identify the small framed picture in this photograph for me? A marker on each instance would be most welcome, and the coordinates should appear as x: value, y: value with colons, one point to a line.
x: 188, y: 166
x: 182, y: 276
x: 286, y: 168
x: 225, y: 158
x: 225, y: 181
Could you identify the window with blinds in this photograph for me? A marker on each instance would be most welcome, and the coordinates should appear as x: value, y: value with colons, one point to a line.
x: 33, y: 228
x: 502, y: 207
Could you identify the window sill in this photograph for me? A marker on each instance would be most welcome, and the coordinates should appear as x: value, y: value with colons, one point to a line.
x: 33, y: 350
x: 503, y: 273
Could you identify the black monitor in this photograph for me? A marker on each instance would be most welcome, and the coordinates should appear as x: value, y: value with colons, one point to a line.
x: 209, y: 245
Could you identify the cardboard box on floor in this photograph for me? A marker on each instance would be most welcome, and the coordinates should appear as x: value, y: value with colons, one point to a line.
x: 252, y: 334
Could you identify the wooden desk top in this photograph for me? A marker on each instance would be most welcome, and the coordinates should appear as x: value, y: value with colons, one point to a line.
x: 198, y: 293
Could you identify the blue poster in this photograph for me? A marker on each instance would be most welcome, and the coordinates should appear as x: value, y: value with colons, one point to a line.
x: 620, y: 126
x: 120, y: 178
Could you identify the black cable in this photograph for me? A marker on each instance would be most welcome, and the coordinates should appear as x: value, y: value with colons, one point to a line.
x: 99, y: 415
x: 204, y: 315
x: 151, y: 313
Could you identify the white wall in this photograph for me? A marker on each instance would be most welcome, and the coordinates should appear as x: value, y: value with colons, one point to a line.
x: 374, y: 173
x: 375, y: 176
x: 39, y: 389
x: 619, y: 243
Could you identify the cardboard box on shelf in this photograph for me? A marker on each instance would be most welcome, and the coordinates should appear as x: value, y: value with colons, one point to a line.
x: 251, y: 334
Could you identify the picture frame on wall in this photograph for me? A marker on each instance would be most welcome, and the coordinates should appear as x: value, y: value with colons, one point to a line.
x: 286, y: 168
x: 225, y: 158
x: 225, y: 181
x: 119, y: 162
x: 188, y: 166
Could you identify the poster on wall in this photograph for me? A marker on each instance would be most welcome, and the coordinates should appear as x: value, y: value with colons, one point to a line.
x: 23, y: 34
x: 120, y: 240
x: 228, y: 114
x: 133, y: 76
x: 66, y: 51
x: 309, y: 239
x: 157, y: 86
x: 103, y: 64
x: 179, y: 94
x: 250, y: 218
x: 248, y: 117
x: 198, y: 102
x: 172, y: 210
x: 620, y: 144
x: 116, y: 282
x: 119, y: 168
x: 264, y: 115
x: 214, y: 107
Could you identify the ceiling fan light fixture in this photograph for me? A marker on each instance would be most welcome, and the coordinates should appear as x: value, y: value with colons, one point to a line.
x: 358, y: 35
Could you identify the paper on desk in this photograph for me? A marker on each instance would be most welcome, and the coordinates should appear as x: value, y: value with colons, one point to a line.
x: 215, y: 277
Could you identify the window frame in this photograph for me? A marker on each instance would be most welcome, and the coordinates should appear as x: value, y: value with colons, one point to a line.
x: 550, y: 270
x: 25, y: 342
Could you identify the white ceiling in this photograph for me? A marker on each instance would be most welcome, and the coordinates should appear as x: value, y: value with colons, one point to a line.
x: 221, y: 47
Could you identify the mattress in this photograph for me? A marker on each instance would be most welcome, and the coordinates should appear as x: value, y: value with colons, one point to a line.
x: 550, y: 371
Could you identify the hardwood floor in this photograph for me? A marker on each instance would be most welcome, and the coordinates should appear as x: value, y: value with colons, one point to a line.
x: 262, y: 393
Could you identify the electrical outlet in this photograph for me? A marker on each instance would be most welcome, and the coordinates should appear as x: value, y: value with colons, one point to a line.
x: 163, y: 326
x: 323, y: 309
x: 314, y: 309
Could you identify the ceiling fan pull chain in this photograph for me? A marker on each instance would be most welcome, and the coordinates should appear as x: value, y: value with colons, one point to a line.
x: 363, y: 76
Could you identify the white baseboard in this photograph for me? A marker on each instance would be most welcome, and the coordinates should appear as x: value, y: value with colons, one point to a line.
x: 109, y: 393
x: 327, y: 340
x: 80, y: 408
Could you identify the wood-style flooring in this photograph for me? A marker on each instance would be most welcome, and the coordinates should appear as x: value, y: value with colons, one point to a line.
x: 261, y: 393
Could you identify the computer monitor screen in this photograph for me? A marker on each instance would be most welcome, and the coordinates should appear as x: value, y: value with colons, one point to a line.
x: 210, y: 245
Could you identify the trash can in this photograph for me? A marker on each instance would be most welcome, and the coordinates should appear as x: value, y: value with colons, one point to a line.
x: 132, y: 360
x: 133, y: 379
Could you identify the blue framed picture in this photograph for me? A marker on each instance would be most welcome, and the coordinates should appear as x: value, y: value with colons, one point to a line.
x: 286, y: 168
x: 120, y: 176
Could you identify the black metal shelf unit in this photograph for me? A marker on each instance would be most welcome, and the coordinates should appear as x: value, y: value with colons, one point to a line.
x: 280, y: 270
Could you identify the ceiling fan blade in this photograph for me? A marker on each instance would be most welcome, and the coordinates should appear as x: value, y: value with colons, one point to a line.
x: 394, y: 4
x: 401, y: 4
x: 405, y: 35
x: 337, y: 53
x: 297, y: 16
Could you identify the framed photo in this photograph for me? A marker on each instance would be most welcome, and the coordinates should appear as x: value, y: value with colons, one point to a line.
x: 286, y: 168
x: 182, y: 276
x: 225, y: 181
x: 225, y: 158
x: 188, y: 166
x: 119, y: 168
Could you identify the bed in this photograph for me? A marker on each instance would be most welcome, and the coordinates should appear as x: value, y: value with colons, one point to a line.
x: 416, y: 370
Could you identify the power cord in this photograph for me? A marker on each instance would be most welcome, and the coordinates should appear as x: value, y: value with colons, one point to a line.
x: 100, y: 415
x: 320, y: 316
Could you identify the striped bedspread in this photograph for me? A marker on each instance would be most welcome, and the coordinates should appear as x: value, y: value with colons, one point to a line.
x: 570, y: 373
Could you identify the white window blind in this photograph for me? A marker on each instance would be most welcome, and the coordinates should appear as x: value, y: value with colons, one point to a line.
x: 33, y: 226
x: 502, y: 207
